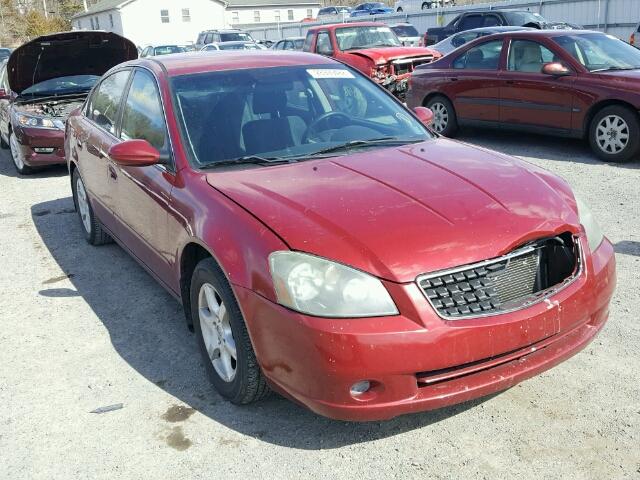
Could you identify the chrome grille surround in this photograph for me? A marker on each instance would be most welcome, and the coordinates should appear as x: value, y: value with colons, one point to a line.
x: 489, y: 277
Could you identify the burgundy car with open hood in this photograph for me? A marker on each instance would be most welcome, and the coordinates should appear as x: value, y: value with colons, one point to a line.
x: 43, y: 81
x: 349, y: 259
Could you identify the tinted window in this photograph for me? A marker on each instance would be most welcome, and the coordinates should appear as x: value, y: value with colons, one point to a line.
x: 471, y: 21
x: 298, y: 43
x: 491, y: 21
x: 142, y: 117
x: 405, y: 31
x: 235, y: 37
x: 106, y: 100
x: 482, y: 57
x: 528, y: 56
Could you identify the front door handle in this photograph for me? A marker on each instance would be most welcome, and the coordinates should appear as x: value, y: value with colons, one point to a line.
x: 112, y: 172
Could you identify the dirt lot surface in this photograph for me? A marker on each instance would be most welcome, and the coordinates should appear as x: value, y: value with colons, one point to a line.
x: 86, y: 327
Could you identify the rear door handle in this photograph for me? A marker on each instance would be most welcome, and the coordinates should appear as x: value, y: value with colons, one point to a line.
x: 112, y: 172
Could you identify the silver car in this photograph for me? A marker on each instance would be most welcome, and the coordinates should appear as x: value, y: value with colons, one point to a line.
x: 449, y: 44
x: 231, y: 46
x: 407, y: 34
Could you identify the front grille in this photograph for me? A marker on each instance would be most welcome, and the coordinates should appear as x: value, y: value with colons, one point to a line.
x: 503, y: 284
x: 408, y: 65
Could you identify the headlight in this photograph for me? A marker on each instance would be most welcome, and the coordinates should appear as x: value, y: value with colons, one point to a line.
x: 591, y: 227
x: 39, y: 122
x: 316, y: 286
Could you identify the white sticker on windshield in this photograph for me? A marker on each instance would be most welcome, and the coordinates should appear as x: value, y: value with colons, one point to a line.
x: 319, y: 73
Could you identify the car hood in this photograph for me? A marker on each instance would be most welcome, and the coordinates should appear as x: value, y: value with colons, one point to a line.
x: 65, y: 54
x: 401, y: 212
x: 383, y: 55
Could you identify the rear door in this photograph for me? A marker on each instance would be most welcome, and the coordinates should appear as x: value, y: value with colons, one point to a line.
x: 143, y: 193
x: 473, y: 83
x: 529, y: 97
x: 94, y: 136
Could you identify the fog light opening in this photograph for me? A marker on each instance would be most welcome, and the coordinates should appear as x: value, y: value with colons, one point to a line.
x: 43, y: 150
x: 360, y: 388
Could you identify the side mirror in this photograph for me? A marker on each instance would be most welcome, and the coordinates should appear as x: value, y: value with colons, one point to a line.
x: 555, y: 69
x: 424, y: 114
x: 4, y: 95
x: 134, y: 153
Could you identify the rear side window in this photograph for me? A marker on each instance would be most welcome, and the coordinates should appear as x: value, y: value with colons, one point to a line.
x: 528, y: 56
x: 201, y: 38
x: 491, y: 21
x: 482, y: 57
x: 142, y: 117
x: 208, y: 38
x: 471, y: 21
x: 105, y: 101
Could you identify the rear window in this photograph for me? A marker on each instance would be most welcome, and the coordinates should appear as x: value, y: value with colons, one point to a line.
x: 523, y: 18
x: 235, y: 37
x: 405, y: 31
x: 167, y: 49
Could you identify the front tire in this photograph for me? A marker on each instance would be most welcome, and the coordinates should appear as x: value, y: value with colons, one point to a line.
x: 16, y: 156
x: 445, y: 121
x: 94, y: 234
x: 614, y: 134
x: 223, y: 338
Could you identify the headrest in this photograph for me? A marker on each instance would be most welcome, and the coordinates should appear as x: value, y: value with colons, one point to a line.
x: 268, y: 100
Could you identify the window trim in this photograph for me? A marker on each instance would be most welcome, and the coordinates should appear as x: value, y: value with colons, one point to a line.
x: 559, y: 54
x: 167, y: 16
x: 501, y: 58
x: 119, y: 112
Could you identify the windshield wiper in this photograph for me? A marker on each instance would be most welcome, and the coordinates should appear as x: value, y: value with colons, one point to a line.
x: 360, y: 143
x: 249, y: 159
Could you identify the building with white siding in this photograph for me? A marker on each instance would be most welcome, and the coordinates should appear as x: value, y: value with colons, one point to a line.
x: 171, y: 22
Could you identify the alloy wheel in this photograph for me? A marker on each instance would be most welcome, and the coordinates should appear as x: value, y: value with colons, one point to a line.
x: 15, y: 152
x: 83, y: 205
x: 612, y: 134
x: 216, y: 332
x: 440, y: 116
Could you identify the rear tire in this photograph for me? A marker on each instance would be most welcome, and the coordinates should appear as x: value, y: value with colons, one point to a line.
x: 445, y: 121
x: 614, y: 134
x: 16, y: 156
x: 94, y: 234
x: 223, y: 338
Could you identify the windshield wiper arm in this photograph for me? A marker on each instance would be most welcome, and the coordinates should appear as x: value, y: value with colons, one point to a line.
x: 249, y: 159
x: 362, y: 143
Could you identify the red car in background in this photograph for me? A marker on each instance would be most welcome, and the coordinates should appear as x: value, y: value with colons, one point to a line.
x: 42, y: 82
x: 571, y: 83
x: 351, y: 260
x: 373, y: 49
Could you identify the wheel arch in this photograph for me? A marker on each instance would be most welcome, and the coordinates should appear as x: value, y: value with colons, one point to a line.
x: 431, y: 95
x: 595, y: 108
x: 191, y: 254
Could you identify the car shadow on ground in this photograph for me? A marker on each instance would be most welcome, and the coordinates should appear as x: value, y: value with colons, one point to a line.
x: 532, y: 145
x: 628, y: 247
x: 7, y: 169
x: 147, y: 329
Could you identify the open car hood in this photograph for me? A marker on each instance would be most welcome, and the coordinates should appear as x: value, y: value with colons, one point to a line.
x: 65, y: 54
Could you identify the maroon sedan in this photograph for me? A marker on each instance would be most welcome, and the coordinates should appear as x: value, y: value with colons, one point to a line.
x: 42, y: 82
x: 578, y: 84
x: 345, y: 257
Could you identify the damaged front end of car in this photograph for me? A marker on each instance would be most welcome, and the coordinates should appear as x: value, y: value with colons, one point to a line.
x: 394, y: 74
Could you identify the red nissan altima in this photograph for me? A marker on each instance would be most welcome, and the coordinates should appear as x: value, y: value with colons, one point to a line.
x: 324, y: 243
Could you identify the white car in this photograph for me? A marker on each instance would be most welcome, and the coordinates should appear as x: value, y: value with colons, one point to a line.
x: 409, y: 5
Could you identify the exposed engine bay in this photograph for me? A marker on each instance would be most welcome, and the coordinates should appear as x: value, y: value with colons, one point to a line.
x: 52, y: 108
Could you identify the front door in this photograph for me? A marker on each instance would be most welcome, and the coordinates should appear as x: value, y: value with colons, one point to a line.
x: 528, y: 96
x: 143, y: 193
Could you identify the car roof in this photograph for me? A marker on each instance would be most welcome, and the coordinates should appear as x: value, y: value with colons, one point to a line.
x: 332, y: 26
x: 202, y: 62
x: 534, y: 32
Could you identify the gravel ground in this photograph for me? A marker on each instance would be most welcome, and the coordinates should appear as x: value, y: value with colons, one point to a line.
x: 86, y: 327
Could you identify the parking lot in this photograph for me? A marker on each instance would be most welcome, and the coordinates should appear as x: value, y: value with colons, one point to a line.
x: 86, y: 327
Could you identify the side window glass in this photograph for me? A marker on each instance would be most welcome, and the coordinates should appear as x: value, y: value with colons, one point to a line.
x: 481, y: 57
x: 308, y: 41
x: 208, y: 38
x: 298, y: 98
x: 142, y: 117
x: 491, y: 21
x: 471, y: 21
x: 105, y: 101
x: 323, y: 47
x: 528, y: 56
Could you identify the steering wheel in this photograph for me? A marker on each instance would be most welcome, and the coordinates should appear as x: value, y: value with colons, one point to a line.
x: 328, y: 118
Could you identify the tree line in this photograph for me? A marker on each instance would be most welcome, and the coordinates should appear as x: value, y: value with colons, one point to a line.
x: 22, y: 20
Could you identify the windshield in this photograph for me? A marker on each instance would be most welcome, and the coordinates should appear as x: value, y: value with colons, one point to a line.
x: 235, y: 37
x: 168, y: 49
x: 523, y: 18
x: 4, y: 54
x: 63, y: 85
x: 352, y: 38
x: 238, y: 46
x: 405, y: 31
x: 287, y: 113
x: 599, y: 52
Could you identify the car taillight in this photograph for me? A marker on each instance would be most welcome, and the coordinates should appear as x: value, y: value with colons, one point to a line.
x: 423, y: 40
x: 632, y: 40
